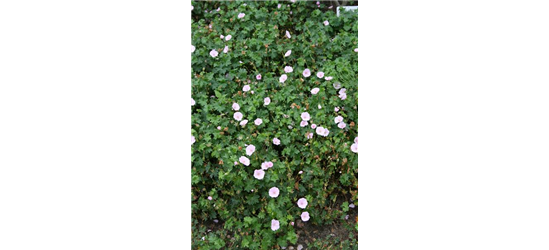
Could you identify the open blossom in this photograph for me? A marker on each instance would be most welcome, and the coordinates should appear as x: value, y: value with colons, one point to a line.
x: 238, y: 116
x: 221, y: 36
x: 258, y: 121
x: 320, y: 130
x: 341, y: 125
x: 315, y: 91
x: 192, y: 48
x: 343, y: 96
x: 338, y: 119
x: 192, y: 102
x: 258, y: 77
x: 274, y: 192
x: 356, y: 139
x: 210, y: 198
x: 266, y: 101
x: 243, y: 122
x: 320, y: 74
x: 336, y: 109
x: 288, y: 69
x: 319, y: 107
x: 250, y: 149
x: 305, y: 116
x: 302, y: 203
x: 226, y: 49
x: 326, y: 23
x: 192, y: 139
x: 356, y: 50
x: 303, y: 123
x: 246, y: 88
x: 288, y: 53
x: 279, y: 5
x: 266, y: 165
x: 337, y: 85
x: 244, y: 160
x: 343, y: 91
x: 259, y: 174
x: 283, y: 78
x: 236, y: 107
x: 213, y: 53
x: 288, y: 34
x: 309, y: 135
x: 275, y: 225
x: 305, y: 216
x: 354, y: 147
x: 241, y: 15
x: 228, y: 37
x: 328, y: 78
x: 276, y: 141
x: 313, y: 126
x: 306, y: 73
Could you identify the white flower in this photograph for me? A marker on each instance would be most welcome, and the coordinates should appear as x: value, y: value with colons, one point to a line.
x: 222, y: 36
x: 319, y: 107
x: 226, y: 49
x: 354, y: 147
x: 305, y: 216
x: 288, y: 34
x: 279, y: 6
x: 315, y: 91
x: 341, y: 125
x: 192, y: 102
x: 258, y: 121
x: 241, y: 15
x: 302, y: 203
x: 246, y: 88
x: 192, y: 8
x: 342, y: 91
x: 250, y: 149
x: 356, y: 139
x: 192, y: 139
x: 228, y: 37
x: 336, y: 109
x: 337, y: 85
x: 275, y: 225
x: 356, y: 50
x: 274, y: 192
x: 326, y: 23
x: 320, y: 74
x: 288, y: 69
x: 303, y: 123
x: 288, y: 53
x: 192, y: 48
x: 259, y: 174
x: 343, y: 96
x: 266, y: 101
x: 306, y: 73
x: 238, y: 116
x: 338, y: 119
x: 328, y: 78
x: 309, y: 135
x: 244, y: 160
x: 243, y: 122
x: 320, y: 130
x: 305, y: 116
x: 213, y: 53
x: 276, y: 141
x: 236, y: 107
x: 283, y: 78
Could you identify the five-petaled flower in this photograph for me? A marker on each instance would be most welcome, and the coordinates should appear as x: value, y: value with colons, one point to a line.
x: 274, y: 192
x: 244, y: 160
x: 214, y: 53
x: 238, y: 116
x: 275, y: 225
x: 276, y: 141
x: 306, y: 72
x: 302, y: 203
x: 259, y: 174
x: 305, y: 216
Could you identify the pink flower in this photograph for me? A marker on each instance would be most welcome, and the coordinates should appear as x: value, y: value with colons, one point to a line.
x: 218, y: 127
x: 288, y: 34
x: 356, y: 50
x: 266, y: 101
x: 274, y: 192
x: 241, y: 15
x: 315, y: 91
x: 250, y: 149
x: 320, y: 130
x: 337, y: 85
x: 326, y: 132
x: 279, y: 6
x: 259, y: 174
x: 354, y: 147
x: 305, y: 116
x: 228, y: 37
x: 192, y: 102
x: 328, y: 78
x: 221, y: 36
x: 302, y: 203
x: 192, y: 139
x: 309, y: 135
x: 313, y: 126
x: 246, y: 88
x: 264, y: 166
x: 235, y: 163
x: 288, y: 53
x: 336, y: 109
x: 343, y: 96
x: 226, y: 49
x: 243, y: 122
x: 303, y: 123
x: 288, y: 69
x: 338, y: 119
x: 356, y: 139
x: 276, y: 141
x: 341, y: 125
x: 320, y: 74
x: 236, y: 107
x: 210, y: 198
x: 258, y: 121
x: 258, y: 77
x: 192, y: 48
x: 326, y: 23
x: 283, y: 78
x: 275, y: 225
x: 305, y: 216
x: 269, y: 164
x: 300, y: 172
x: 244, y: 160
x: 306, y: 73
x: 319, y: 107
x: 292, y: 223
x: 213, y: 53
x: 238, y: 116
x: 343, y: 91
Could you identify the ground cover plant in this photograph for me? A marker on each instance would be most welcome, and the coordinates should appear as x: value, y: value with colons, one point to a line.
x: 274, y: 122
